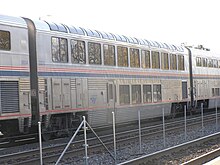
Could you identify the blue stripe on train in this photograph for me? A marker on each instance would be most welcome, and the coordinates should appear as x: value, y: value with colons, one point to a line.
x: 72, y: 74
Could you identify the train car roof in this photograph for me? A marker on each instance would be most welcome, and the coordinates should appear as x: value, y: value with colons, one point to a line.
x: 52, y: 26
x: 14, y: 21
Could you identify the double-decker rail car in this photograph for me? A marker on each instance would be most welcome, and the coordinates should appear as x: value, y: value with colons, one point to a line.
x: 57, y: 73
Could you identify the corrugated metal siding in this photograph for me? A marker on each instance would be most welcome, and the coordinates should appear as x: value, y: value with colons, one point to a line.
x: 9, y: 96
x: 24, y: 85
x: 73, y: 84
x: 97, y: 117
x: 42, y: 84
x: 96, y: 84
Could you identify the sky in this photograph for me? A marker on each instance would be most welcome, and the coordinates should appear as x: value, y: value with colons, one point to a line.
x: 193, y: 22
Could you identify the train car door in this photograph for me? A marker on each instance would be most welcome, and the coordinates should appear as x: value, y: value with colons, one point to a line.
x: 56, y: 93
x: 81, y: 93
x: 66, y: 93
x: 184, y: 90
x: 111, y: 97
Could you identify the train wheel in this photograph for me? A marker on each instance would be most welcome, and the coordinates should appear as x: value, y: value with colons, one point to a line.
x: 46, y: 135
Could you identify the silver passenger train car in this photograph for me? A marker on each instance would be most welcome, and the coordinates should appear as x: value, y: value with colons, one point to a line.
x: 56, y: 73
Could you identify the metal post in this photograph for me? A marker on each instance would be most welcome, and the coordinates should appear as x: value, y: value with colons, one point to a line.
x: 216, y: 110
x: 113, y: 122
x: 185, y: 120
x: 40, y: 143
x: 202, y: 118
x: 164, y: 134
x: 139, y: 126
x: 100, y: 140
x: 71, y: 140
x: 85, y: 139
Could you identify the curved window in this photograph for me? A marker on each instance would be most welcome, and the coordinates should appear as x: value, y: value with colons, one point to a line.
x: 78, y: 54
x: 59, y: 49
x: 94, y: 53
x: 134, y: 58
x: 122, y: 56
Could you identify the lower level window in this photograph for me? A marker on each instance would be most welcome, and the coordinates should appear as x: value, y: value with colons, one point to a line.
x: 157, y: 96
x: 136, y: 94
x: 124, y: 94
x: 147, y: 94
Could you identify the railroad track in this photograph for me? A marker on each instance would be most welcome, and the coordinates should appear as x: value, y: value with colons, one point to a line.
x: 204, y: 158
x: 168, y: 155
x: 76, y: 150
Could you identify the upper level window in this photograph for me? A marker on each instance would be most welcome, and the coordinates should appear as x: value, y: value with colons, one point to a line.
x: 5, y: 43
x: 78, y: 54
x: 215, y: 63
x: 145, y: 55
x: 210, y: 62
x: 122, y: 56
x: 109, y: 55
x: 155, y: 60
x: 59, y: 49
x: 204, y: 62
x: 181, y: 62
x: 173, y: 62
x: 134, y: 58
x: 164, y: 61
x: 198, y: 61
x: 94, y: 53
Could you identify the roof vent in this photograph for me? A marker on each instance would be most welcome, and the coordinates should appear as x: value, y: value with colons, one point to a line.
x: 201, y: 47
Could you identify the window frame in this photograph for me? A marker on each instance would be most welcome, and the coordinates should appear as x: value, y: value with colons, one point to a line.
x: 146, y: 94
x: 173, y: 61
x: 59, y: 49
x: 126, y: 94
x: 122, y: 60
x: 137, y: 89
x: 145, y: 65
x: 181, y: 63
x: 199, y: 61
x: 157, y: 95
x: 84, y: 50
x: 164, y: 61
x: 134, y: 58
x: 94, y: 53
x: 9, y: 40
x: 108, y: 55
x: 155, y: 59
